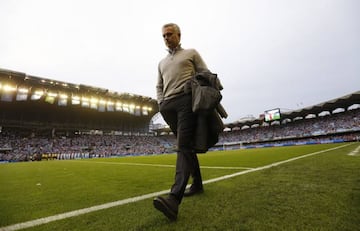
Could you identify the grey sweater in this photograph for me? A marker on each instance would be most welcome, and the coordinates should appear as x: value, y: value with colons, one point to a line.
x: 175, y: 69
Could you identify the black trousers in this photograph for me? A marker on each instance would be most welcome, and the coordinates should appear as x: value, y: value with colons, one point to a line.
x: 178, y: 114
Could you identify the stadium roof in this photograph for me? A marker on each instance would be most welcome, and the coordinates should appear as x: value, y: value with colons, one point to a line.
x: 343, y: 102
x: 22, y: 79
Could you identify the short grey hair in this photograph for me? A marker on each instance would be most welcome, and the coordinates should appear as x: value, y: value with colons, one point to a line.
x: 173, y: 25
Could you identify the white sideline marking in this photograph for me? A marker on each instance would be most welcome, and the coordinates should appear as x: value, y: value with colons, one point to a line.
x: 270, y: 165
x: 74, y: 213
x: 355, y: 152
x: 125, y: 163
x: 156, y: 165
x: 216, y: 167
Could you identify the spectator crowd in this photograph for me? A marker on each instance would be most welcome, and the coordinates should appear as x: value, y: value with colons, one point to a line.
x: 340, y: 123
x: 19, y: 146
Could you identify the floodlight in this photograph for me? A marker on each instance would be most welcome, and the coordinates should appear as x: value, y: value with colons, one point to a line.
x: 75, y: 100
x: 110, y: 106
x: 8, y: 88
x: 23, y: 90
x: 85, y: 102
x: 62, y: 101
x: 22, y: 94
x: 7, y: 93
x: 37, y: 95
x: 145, y: 110
x: 102, y: 104
x: 118, y: 106
x: 125, y: 107
x: 94, y: 103
x: 63, y: 96
x: 94, y: 100
x: 132, y: 108
x: 137, y: 110
x: 52, y: 94
x: 50, y: 97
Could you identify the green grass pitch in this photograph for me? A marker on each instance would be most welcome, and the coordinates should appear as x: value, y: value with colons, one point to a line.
x: 318, y: 192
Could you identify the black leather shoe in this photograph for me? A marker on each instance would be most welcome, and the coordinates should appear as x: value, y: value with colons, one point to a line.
x: 168, y: 206
x: 192, y: 191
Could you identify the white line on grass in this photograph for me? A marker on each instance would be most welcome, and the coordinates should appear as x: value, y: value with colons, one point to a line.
x: 156, y: 165
x: 217, y: 167
x: 75, y: 213
x: 270, y: 165
x: 126, y: 163
x: 355, y: 152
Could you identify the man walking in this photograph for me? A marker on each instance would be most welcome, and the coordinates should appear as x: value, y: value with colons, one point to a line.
x: 174, y: 71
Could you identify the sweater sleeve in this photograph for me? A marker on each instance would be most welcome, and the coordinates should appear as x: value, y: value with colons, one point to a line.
x: 160, y: 87
x: 199, y: 63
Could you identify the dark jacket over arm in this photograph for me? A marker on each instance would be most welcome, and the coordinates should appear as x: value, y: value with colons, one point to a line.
x: 205, y: 88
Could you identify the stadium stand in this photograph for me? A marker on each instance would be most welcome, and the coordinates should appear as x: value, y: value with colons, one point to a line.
x: 339, y: 127
x: 43, y: 119
x: 44, y: 104
x: 336, y: 120
x: 18, y: 146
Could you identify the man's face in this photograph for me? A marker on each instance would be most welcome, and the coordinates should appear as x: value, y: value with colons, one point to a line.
x: 171, y: 38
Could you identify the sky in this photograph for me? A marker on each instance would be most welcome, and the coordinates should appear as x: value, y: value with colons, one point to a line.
x: 286, y: 54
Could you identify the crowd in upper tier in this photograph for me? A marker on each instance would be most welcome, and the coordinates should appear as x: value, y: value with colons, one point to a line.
x: 331, y: 124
